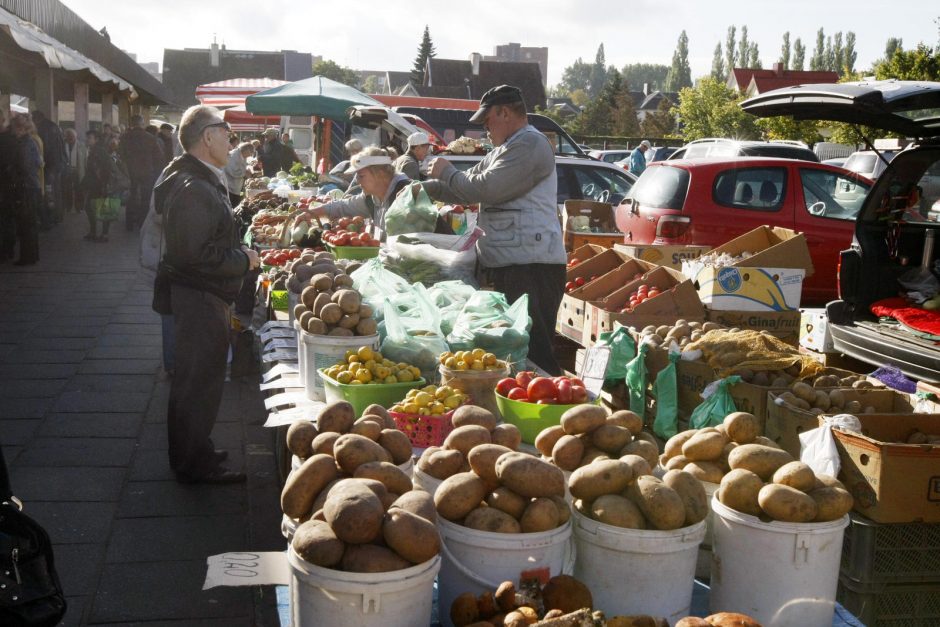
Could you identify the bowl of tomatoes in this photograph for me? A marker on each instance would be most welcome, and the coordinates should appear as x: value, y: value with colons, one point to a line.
x: 349, y: 238
x: 534, y: 403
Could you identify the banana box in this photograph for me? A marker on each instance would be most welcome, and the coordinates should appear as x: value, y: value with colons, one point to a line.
x: 746, y: 289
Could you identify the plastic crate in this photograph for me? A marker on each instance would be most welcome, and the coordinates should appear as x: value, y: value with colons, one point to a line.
x: 353, y: 252
x: 891, y: 553
x: 361, y: 396
x: 892, y: 605
x: 424, y: 431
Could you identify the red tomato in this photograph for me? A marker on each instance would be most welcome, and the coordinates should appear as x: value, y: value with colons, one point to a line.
x: 569, y: 286
x: 374, y: 242
x: 654, y: 291
x: 579, y: 281
x: 343, y: 223
x: 541, y: 387
x: 341, y: 240
x: 564, y: 391
x: 505, y: 385
x: 578, y: 394
x: 575, y: 381
x: 523, y: 377
x: 358, y: 220
x: 575, y: 261
x: 517, y: 394
x: 365, y: 238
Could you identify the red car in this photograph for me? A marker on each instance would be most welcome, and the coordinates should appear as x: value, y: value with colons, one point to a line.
x: 709, y: 202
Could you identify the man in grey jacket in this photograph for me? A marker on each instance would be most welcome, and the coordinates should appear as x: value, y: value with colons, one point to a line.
x: 516, y: 186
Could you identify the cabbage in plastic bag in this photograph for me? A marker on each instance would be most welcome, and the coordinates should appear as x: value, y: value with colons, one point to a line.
x: 488, y: 322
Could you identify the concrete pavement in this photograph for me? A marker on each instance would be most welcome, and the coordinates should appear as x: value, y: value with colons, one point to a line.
x: 83, y: 429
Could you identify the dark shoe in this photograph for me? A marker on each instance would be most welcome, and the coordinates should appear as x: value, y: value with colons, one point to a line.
x: 219, y: 455
x: 219, y: 476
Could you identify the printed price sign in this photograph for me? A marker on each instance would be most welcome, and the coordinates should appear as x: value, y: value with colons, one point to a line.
x: 247, y: 569
x: 594, y: 369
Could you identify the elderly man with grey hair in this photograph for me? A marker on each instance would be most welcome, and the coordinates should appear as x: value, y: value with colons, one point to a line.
x: 198, y: 278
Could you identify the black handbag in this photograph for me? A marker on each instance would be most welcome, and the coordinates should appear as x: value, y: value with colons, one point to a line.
x: 30, y: 592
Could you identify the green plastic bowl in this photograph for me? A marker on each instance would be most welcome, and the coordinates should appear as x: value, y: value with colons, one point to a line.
x: 353, y: 252
x: 532, y: 418
x: 361, y: 396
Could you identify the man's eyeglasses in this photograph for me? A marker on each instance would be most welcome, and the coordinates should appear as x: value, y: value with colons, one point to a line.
x: 224, y: 125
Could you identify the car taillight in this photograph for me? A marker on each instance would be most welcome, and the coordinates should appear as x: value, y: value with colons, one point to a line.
x: 672, y: 227
x: 839, y: 278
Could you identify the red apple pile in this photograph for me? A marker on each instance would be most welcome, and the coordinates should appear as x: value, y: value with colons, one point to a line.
x: 349, y: 232
x: 640, y: 294
x: 528, y: 387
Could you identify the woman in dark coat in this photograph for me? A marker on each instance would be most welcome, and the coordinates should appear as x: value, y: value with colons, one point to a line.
x: 95, y: 184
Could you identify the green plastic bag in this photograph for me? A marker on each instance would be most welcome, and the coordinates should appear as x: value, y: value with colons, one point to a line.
x: 411, y: 215
x: 717, y: 404
x: 666, y: 423
x: 622, y: 350
x: 636, y: 381
x: 107, y: 209
x: 449, y: 297
x: 413, y: 339
x: 488, y: 322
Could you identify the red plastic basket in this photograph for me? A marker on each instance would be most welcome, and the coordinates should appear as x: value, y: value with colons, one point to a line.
x: 424, y: 431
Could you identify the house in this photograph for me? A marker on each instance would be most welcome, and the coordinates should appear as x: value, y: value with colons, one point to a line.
x: 524, y: 54
x: 651, y: 102
x: 565, y: 107
x: 752, y: 82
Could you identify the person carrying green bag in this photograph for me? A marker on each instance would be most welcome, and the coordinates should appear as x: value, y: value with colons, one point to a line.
x: 95, y: 184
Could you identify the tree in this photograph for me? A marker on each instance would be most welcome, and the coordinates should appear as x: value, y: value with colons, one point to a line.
x: 636, y: 75
x: 818, y: 60
x: 680, y: 74
x: 371, y: 84
x: 837, y: 53
x: 718, y: 64
x: 425, y: 51
x: 744, y: 48
x: 731, y: 54
x: 754, y: 57
x: 333, y: 71
x: 579, y: 97
x: 784, y: 59
x: 799, y: 55
x: 660, y: 123
x: 849, y: 55
x: 576, y: 76
x: 920, y: 64
x: 623, y: 120
x: 710, y: 109
x: 893, y: 45
x: 598, y: 73
x: 785, y: 127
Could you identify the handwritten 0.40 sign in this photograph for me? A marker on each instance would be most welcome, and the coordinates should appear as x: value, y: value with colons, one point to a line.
x: 241, y: 564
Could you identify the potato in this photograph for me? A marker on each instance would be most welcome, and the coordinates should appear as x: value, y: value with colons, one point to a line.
x: 564, y: 509
x: 349, y: 321
x: 638, y: 465
x: 474, y: 415
x: 765, y: 441
x: 616, y: 510
x: 730, y: 619
x: 368, y: 428
x: 322, y: 282
x: 331, y: 313
x: 340, y: 332
x: 649, y: 437
x: 300, y: 438
x: 529, y: 476
x: 626, y: 418
x: 482, y: 460
x: 759, y: 459
x: 486, y: 605
x: 507, y: 435
x: 674, y: 444
x: 540, y: 515
x: 796, y: 475
x: 506, y: 596
x: 591, y: 455
x: 397, y: 444
x: 323, y: 443
x: 583, y: 419
x: 832, y: 503
x: 709, y: 472
x: 417, y: 502
x: 506, y: 500
x: 565, y: 593
x: 637, y: 621
x: 304, y: 484
x: 644, y: 449
x: 804, y: 391
x: 781, y: 502
x: 315, y: 542
x: 692, y: 621
x: 679, y: 462
x: 741, y: 427
x: 366, y: 326
x: 371, y: 558
x: 828, y: 481
x: 515, y: 618
x: 567, y: 452
x: 319, y: 302
x: 377, y: 410
x: 352, y: 450
x: 611, y: 438
x: 465, y: 438
x: 739, y: 490
x: 337, y: 416
x: 546, y: 439
x: 354, y: 512
x: 704, y: 446
x: 606, y: 476
x: 661, y: 505
x: 822, y: 401
x: 411, y: 536
x: 492, y: 520
x: 348, y: 300
x: 308, y: 295
x: 692, y: 493
x: 441, y: 464
x: 836, y: 399
x: 458, y: 495
x: 391, y: 476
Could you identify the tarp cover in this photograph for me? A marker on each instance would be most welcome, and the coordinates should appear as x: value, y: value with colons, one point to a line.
x: 312, y: 96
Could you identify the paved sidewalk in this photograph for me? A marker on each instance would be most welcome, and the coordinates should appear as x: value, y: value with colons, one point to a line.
x: 83, y: 428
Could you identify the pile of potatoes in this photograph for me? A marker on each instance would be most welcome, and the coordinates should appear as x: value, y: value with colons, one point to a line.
x: 822, y: 398
x: 329, y: 304
x: 586, y: 433
x: 551, y: 605
x: 681, y: 332
x: 304, y: 268
x: 721, y: 619
x: 473, y: 426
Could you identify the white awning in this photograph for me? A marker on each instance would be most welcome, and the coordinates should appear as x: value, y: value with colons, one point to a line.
x: 57, y: 55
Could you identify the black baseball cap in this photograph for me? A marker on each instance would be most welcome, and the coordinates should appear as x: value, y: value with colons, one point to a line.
x: 499, y: 95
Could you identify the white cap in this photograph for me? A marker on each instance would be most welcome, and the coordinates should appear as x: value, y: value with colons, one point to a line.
x: 418, y: 139
x: 360, y: 161
x: 646, y: 143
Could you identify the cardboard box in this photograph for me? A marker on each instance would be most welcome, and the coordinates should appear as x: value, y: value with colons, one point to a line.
x: 781, y: 324
x: 814, y: 331
x: 613, y: 269
x: 598, y: 216
x: 892, y: 483
x: 676, y: 300
x: 663, y: 255
x: 772, y: 247
x: 785, y: 423
x: 583, y: 253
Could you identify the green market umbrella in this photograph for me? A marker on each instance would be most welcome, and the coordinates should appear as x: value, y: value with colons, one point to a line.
x: 312, y: 96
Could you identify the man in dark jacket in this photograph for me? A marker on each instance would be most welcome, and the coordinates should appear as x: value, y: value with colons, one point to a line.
x: 201, y: 273
x: 274, y: 155
x: 54, y: 161
x: 143, y: 158
x: 11, y: 189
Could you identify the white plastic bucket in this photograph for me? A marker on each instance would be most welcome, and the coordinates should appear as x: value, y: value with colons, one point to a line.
x: 408, y: 467
x: 478, y: 561
x: 323, y: 351
x: 424, y: 481
x: 637, y: 571
x: 292, y: 301
x: 703, y: 567
x: 323, y: 597
x: 779, y: 573
x: 289, y: 527
x: 301, y: 355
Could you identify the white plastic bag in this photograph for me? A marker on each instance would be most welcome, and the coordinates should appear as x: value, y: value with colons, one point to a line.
x: 818, y: 446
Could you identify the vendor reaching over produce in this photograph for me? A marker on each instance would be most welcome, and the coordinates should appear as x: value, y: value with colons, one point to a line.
x: 410, y: 162
x: 516, y: 187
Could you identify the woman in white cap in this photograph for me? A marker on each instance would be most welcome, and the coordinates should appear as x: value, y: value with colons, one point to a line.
x: 410, y: 162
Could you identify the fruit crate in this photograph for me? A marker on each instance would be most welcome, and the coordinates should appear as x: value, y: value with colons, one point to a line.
x: 892, y: 605
x: 357, y: 253
x: 424, y: 431
x: 875, y: 553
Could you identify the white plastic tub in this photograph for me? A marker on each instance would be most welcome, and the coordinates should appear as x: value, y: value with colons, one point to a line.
x: 637, y: 571
x: 782, y: 574
x: 703, y: 567
x: 301, y: 355
x: 323, y: 597
x: 424, y: 481
x: 322, y: 351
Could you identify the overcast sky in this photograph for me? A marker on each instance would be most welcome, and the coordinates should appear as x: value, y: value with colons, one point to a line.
x: 384, y: 35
